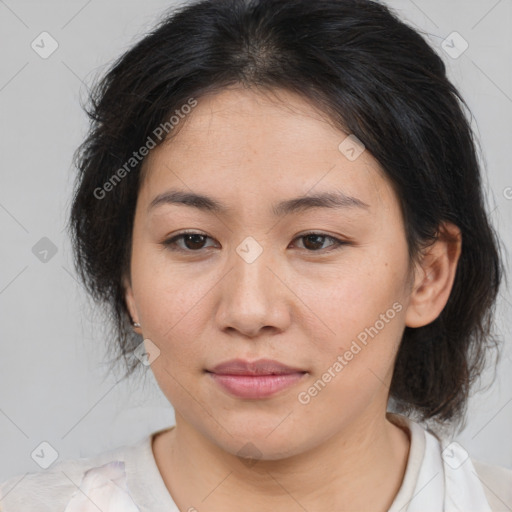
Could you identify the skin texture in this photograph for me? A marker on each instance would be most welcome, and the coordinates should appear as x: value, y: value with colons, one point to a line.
x: 298, y: 303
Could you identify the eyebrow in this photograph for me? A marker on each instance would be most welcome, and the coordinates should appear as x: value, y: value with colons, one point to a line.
x: 335, y: 200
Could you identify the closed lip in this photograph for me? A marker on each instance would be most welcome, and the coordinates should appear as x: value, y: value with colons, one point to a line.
x: 259, y: 367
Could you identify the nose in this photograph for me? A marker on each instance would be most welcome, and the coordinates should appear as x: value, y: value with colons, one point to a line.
x: 253, y: 297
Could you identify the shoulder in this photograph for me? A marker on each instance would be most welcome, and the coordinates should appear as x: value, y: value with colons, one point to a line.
x: 46, y: 490
x: 53, y: 488
x: 497, y: 484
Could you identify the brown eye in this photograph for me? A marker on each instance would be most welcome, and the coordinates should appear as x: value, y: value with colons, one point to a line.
x: 192, y: 242
x: 195, y: 242
x: 313, y: 242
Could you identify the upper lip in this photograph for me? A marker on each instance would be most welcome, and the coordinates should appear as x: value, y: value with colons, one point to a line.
x: 259, y: 367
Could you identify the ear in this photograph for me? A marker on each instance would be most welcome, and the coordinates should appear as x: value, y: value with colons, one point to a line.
x: 130, y: 302
x: 434, y: 277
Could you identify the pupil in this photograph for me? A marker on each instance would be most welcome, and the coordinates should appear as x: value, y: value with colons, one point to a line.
x: 318, y: 242
x: 190, y: 238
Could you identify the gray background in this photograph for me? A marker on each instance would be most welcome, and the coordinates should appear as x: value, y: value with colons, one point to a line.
x: 53, y: 381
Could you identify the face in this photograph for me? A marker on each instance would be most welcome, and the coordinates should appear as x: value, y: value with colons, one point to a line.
x: 321, y: 288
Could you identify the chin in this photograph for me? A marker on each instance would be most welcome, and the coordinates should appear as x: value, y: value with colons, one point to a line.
x: 262, y: 442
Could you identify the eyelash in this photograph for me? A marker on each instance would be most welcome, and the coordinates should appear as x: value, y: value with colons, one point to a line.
x: 171, y: 243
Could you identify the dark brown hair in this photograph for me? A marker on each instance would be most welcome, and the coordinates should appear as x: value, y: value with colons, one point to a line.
x: 373, y: 76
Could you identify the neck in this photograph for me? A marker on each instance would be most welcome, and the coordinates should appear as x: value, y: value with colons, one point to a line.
x: 359, y: 468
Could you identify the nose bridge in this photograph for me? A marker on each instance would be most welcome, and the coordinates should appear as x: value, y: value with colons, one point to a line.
x: 251, y: 274
x: 252, y: 296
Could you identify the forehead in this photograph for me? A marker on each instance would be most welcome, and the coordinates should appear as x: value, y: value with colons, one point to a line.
x: 243, y: 143
x: 254, y: 120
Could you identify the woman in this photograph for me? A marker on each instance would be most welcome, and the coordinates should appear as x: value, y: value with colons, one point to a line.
x: 281, y: 203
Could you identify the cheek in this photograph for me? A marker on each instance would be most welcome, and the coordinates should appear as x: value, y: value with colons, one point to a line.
x: 363, y: 308
x: 354, y: 365
x: 156, y: 281
x: 354, y: 295
x: 171, y: 303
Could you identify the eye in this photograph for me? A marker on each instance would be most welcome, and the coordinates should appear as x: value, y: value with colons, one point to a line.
x: 314, y: 241
x: 195, y: 242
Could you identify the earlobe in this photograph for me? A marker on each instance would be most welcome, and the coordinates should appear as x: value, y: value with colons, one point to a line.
x: 434, y: 277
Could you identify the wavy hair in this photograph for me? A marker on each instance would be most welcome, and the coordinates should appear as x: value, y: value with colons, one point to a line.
x: 373, y: 76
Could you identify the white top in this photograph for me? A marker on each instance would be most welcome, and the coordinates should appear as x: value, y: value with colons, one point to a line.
x: 439, y: 477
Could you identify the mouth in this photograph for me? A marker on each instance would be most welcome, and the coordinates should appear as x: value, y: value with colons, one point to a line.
x: 255, y: 380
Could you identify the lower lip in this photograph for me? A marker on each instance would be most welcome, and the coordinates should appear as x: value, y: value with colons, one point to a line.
x: 256, y: 386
